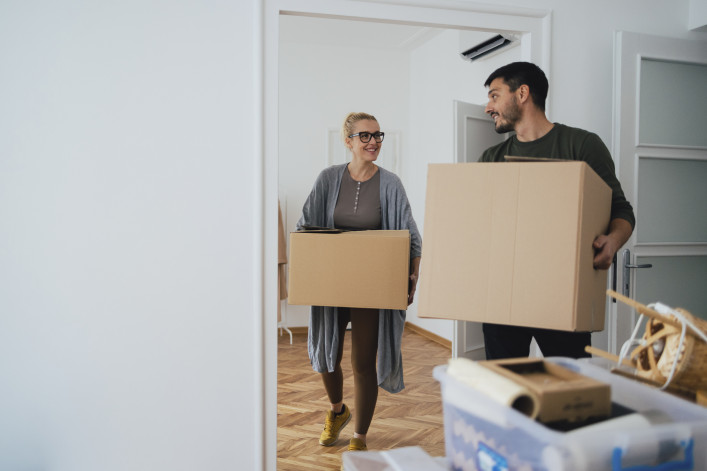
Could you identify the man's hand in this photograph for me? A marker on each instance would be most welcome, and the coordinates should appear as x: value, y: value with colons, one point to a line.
x: 606, y: 246
x: 604, y: 249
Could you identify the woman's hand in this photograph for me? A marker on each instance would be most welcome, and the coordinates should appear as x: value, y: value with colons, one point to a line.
x: 412, y: 284
x: 412, y: 287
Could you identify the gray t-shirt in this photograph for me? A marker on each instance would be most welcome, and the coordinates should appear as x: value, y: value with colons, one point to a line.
x: 358, y: 207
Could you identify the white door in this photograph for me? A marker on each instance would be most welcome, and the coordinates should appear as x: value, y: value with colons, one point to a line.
x: 473, y: 133
x: 661, y: 145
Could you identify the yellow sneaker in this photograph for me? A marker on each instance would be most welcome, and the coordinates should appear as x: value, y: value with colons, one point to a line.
x: 356, y: 444
x: 333, y: 426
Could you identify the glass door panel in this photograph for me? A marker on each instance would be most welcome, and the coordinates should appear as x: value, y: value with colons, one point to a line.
x: 675, y: 281
x: 671, y: 198
x: 674, y: 91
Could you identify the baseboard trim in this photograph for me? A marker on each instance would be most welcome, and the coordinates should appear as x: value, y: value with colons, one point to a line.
x: 429, y: 335
x: 295, y: 330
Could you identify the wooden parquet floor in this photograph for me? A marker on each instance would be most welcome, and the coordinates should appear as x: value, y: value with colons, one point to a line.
x: 412, y: 417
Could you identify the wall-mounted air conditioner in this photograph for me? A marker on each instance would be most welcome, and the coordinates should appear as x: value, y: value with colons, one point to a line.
x: 489, y: 47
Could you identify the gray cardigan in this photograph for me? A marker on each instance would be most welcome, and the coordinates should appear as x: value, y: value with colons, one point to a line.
x: 323, y: 339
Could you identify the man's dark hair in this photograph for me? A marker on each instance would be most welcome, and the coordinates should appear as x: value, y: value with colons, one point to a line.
x: 516, y: 74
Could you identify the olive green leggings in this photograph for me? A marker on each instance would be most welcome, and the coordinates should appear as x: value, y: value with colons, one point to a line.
x: 364, y: 347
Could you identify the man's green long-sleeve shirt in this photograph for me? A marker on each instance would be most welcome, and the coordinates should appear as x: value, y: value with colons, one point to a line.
x: 564, y: 142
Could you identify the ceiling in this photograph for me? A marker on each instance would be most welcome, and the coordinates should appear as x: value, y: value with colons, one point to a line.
x: 352, y: 33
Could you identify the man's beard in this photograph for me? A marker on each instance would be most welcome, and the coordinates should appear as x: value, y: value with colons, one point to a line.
x: 510, y: 118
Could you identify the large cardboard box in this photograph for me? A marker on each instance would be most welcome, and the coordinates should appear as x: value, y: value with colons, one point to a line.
x: 511, y: 243
x: 367, y: 269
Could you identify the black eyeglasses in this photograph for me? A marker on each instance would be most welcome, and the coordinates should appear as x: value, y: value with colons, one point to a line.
x: 366, y: 136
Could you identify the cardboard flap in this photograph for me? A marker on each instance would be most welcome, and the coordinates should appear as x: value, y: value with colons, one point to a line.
x: 319, y: 229
x: 518, y: 158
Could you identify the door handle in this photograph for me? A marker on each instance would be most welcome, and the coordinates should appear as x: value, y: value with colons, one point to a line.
x: 628, y: 266
x: 614, y: 262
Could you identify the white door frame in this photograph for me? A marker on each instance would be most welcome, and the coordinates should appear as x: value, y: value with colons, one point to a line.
x: 464, y: 345
x: 535, y: 25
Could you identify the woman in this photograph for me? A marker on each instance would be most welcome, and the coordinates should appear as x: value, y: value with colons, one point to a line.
x: 359, y: 196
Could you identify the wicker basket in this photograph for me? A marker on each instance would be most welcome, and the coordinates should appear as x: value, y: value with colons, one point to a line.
x: 655, y: 359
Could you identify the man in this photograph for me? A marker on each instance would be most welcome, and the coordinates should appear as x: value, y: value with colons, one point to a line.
x: 517, y: 94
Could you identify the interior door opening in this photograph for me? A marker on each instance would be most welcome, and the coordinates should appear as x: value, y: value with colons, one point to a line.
x: 282, y: 149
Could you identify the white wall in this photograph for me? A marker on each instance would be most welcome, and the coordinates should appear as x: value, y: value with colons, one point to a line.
x: 582, y: 52
x: 128, y: 201
x: 438, y: 76
x: 319, y: 85
x: 127, y: 325
x: 698, y: 15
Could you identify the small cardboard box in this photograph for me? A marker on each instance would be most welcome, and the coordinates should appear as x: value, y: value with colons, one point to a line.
x: 366, y: 269
x: 563, y: 395
x: 511, y: 243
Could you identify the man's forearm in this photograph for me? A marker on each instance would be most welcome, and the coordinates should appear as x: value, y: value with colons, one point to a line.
x: 620, y: 230
x: 606, y: 245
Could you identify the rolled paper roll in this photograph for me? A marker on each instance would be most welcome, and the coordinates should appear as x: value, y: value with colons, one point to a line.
x: 634, y: 421
x: 494, y: 386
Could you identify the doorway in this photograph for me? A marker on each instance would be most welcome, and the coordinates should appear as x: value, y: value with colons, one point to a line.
x: 441, y: 15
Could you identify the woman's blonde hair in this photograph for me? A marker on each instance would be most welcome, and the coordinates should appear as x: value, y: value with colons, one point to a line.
x: 350, y: 120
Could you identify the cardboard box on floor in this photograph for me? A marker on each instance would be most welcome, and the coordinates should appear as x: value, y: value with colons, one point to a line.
x: 563, y: 395
x: 365, y: 269
x: 511, y: 243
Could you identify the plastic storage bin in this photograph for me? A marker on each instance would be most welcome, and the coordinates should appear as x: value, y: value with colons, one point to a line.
x: 411, y: 458
x: 483, y: 435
